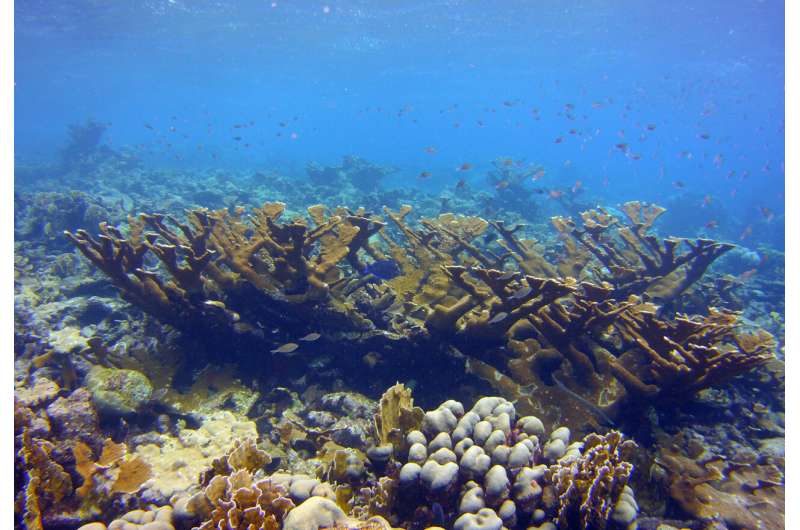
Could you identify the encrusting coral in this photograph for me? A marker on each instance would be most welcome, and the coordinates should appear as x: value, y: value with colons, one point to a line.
x: 739, y: 495
x: 590, y: 326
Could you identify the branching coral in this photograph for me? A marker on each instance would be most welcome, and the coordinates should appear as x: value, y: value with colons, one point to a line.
x: 586, y: 487
x: 581, y: 327
x: 635, y: 261
x: 227, y: 273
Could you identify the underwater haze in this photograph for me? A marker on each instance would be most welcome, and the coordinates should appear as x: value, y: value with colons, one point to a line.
x: 237, y: 223
x: 385, y: 80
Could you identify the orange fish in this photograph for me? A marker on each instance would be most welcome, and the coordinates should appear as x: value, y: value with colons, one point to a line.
x: 575, y: 187
x: 465, y: 167
x: 539, y: 174
x: 622, y: 147
x: 503, y: 184
x: 555, y: 194
x: 767, y: 213
x: 508, y: 162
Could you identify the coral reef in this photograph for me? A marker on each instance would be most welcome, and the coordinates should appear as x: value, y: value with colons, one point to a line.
x: 259, y: 340
x: 586, y: 324
x: 486, y: 464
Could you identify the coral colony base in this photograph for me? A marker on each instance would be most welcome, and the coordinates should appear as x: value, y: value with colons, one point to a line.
x: 241, y: 381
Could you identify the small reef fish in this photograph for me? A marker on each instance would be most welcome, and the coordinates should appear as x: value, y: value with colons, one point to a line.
x: 746, y: 275
x: 679, y: 184
x: 704, y: 136
x: 577, y: 186
x: 385, y: 269
x: 767, y: 213
x: 289, y: 347
x: 521, y: 293
x: 371, y: 359
x: 311, y: 337
x: 712, y: 224
x: 555, y: 194
x: 507, y: 276
x: 558, y: 140
x: 461, y: 184
x: 424, y: 174
x: 464, y: 167
x: 499, y: 317
x: 538, y: 175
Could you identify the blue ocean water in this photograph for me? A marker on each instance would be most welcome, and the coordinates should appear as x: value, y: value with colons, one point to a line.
x: 694, y: 89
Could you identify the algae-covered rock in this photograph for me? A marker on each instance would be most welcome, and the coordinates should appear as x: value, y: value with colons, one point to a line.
x: 118, y: 391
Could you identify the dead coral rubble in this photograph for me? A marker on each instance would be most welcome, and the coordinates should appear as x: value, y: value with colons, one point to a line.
x: 586, y: 329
